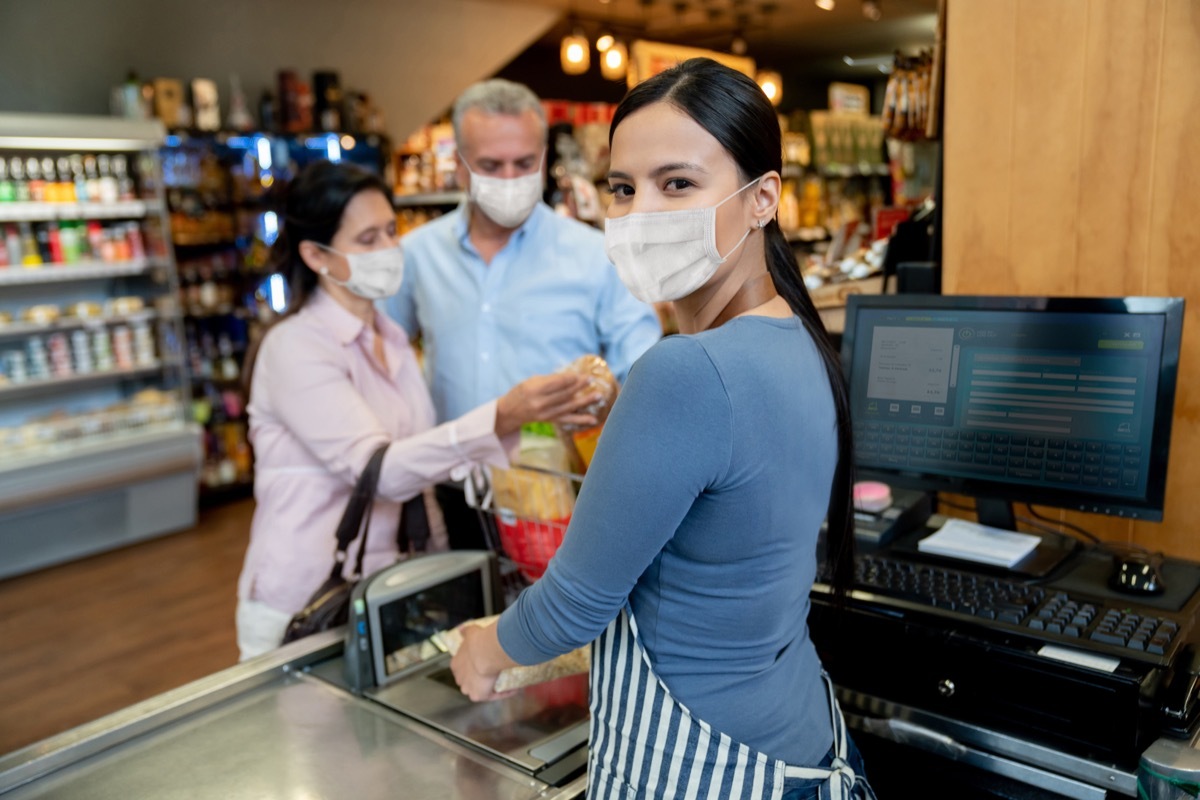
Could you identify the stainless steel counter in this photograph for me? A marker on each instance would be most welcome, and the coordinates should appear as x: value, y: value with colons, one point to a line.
x: 264, y: 729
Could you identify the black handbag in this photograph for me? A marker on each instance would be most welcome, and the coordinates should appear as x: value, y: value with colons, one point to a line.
x: 329, y: 605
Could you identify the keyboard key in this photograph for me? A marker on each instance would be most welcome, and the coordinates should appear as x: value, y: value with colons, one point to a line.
x: 1072, y: 630
x: 1094, y: 447
x: 1133, y: 450
x: 1112, y: 447
x: 1109, y: 638
x: 1037, y: 624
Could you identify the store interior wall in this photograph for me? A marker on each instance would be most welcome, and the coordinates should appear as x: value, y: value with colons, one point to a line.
x: 1072, y: 167
x: 62, y: 56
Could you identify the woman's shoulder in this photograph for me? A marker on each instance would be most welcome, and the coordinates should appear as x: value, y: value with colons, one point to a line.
x: 296, y: 338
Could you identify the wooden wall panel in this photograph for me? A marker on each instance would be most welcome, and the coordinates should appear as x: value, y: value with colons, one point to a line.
x: 1046, y: 121
x: 1121, y: 85
x: 1173, y: 263
x: 1091, y: 187
x: 977, y: 202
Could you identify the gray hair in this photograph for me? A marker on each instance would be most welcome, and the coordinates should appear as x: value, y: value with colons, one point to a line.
x: 496, y: 96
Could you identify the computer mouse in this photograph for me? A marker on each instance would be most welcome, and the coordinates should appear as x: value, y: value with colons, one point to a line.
x: 1137, y: 573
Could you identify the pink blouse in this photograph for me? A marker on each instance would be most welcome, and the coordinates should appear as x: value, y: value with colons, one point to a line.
x: 320, y: 405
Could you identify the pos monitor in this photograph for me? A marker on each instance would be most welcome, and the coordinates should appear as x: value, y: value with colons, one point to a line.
x: 1063, y: 402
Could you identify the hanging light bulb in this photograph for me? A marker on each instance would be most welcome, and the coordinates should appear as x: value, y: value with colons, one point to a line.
x: 771, y: 83
x: 615, y: 62
x: 738, y: 45
x: 872, y: 9
x: 826, y: 5
x: 574, y: 53
x: 604, y: 41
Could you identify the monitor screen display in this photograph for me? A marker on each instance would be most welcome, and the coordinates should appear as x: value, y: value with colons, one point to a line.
x: 1058, y: 401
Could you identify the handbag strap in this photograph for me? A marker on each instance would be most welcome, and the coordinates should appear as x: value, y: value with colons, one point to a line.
x: 414, y: 525
x: 357, y: 515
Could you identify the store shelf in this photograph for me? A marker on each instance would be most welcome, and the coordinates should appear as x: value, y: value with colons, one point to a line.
x: 850, y: 170
x: 20, y: 329
x: 429, y: 199
x: 53, y: 385
x: 41, y: 212
x: 80, y: 271
x: 99, y: 464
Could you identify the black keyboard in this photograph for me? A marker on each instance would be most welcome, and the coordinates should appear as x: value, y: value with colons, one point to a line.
x: 1044, y: 613
x: 990, y: 454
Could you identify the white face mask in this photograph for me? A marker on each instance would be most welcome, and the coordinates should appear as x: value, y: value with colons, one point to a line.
x: 666, y: 255
x: 373, y: 275
x: 506, y: 201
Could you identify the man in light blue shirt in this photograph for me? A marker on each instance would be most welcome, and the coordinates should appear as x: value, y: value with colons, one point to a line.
x: 502, y: 288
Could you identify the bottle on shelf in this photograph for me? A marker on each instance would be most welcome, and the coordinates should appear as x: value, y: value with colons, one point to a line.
x: 77, y: 176
x: 8, y: 191
x: 124, y: 182
x: 37, y: 186
x: 16, y: 171
x: 66, y: 182
x: 30, y: 257
x: 50, y: 193
x: 12, y: 243
x: 92, y: 180
x: 107, y: 183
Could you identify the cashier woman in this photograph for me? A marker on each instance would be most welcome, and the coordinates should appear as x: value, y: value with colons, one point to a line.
x: 692, y: 549
x: 331, y: 383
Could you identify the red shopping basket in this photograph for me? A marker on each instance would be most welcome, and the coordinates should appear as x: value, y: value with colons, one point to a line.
x: 530, y: 543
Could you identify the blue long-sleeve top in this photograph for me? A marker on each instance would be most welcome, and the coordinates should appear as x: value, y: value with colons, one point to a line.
x: 701, y: 511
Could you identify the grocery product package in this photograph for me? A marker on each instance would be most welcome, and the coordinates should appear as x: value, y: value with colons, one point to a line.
x: 571, y: 663
x: 533, y: 500
x: 582, y: 441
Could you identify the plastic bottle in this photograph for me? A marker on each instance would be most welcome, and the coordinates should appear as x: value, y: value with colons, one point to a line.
x: 37, y: 186
x: 30, y: 257
x: 12, y: 243
x: 108, y: 184
x: 8, y: 192
x: 120, y: 168
x: 81, y: 188
x: 66, y: 183
x: 16, y: 172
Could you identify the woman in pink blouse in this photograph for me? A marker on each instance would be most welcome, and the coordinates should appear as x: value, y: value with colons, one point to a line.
x: 333, y: 381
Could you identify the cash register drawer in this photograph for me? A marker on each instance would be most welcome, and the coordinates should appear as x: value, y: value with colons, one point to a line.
x: 991, y: 679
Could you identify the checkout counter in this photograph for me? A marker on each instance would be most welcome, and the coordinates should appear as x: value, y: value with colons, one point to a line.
x: 372, y: 711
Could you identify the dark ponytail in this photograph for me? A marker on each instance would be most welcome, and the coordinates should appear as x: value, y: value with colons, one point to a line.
x: 310, y: 209
x: 732, y: 108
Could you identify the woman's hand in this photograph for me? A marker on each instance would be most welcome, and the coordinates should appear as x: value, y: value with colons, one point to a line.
x: 545, y: 398
x: 479, y: 661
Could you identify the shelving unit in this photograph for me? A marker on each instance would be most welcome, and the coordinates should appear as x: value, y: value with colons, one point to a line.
x: 97, y: 449
x: 219, y: 189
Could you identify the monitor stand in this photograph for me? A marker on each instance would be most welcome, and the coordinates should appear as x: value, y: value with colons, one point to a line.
x: 995, y: 513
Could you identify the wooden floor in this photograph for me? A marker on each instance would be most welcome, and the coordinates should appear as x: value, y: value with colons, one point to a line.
x: 82, y: 640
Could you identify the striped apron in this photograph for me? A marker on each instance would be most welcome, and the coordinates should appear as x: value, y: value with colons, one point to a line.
x: 646, y: 744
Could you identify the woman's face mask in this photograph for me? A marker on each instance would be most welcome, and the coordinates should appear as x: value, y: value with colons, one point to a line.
x: 373, y: 275
x: 667, y: 255
x: 506, y: 201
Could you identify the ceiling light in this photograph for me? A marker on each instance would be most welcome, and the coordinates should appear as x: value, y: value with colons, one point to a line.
x: 772, y: 85
x: 604, y: 41
x: 872, y: 9
x: 574, y: 54
x: 826, y: 5
x: 738, y: 45
x: 615, y: 62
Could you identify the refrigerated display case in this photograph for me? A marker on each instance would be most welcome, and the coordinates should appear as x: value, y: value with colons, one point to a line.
x: 95, y: 448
